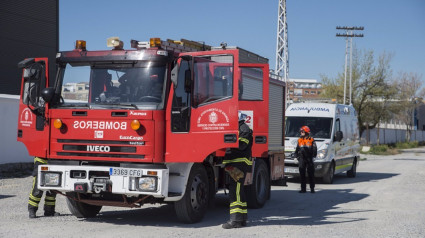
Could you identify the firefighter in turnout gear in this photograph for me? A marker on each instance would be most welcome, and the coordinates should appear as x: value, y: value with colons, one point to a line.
x: 238, y: 162
x: 306, y: 150
x: 35, y: 195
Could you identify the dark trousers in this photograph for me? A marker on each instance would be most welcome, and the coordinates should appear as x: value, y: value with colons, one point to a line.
x: 237, y: 197
x: 310, y: 171
x: 36, y: 194
x: 238, y: 206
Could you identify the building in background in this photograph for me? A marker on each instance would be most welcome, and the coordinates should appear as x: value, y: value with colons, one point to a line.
x: 28, y: 29
x: 304, y: 89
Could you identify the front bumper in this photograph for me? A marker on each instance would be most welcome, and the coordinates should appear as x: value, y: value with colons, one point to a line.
x: 96, y: 179
x: 291, y: 168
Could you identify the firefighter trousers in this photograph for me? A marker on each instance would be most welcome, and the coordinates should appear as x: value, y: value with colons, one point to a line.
x: 36, y: 194
x: 238, y: 205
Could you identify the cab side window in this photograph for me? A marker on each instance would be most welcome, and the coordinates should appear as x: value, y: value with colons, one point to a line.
x: 180, y: 116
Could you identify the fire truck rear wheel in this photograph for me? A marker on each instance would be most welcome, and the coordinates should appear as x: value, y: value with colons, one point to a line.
x: 79, y: 209
x: 193, y: 206
x: 259, y: 191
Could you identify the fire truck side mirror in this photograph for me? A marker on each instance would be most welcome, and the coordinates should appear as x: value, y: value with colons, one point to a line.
x: 174, y: 75
x: 47, y: 94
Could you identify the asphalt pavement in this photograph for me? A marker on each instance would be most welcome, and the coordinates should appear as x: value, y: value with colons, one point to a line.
x: 385, y: 199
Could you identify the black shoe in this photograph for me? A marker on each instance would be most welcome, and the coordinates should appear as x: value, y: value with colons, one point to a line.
x: 302, y: 191
x: 312, y: 190
x: 232, y: 224
x: 243, y: 223
x: 51, y: 214
x: 32, y: 214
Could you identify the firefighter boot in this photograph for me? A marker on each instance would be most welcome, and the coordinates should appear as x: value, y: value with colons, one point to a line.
x: 232, y: 224
x: 245, y: 218
x: 32, y: 212
x: 49, y: 211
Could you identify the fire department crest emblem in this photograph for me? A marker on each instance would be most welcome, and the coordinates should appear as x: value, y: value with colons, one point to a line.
x: 213, y: 117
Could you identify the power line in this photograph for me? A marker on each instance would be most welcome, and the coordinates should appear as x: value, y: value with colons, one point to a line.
x: 348, y: 35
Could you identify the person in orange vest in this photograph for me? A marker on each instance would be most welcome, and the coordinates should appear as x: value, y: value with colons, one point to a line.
x: 306, y: 150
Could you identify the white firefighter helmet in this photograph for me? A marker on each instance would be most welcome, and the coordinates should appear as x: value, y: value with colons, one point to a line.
x: 241, y: 116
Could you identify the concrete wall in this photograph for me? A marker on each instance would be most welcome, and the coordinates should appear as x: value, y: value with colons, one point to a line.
x: 388, y: 136
x: 11, y: 151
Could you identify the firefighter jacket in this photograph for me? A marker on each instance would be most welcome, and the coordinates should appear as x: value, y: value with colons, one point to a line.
x: 306, y: 150
x: 245, y: 143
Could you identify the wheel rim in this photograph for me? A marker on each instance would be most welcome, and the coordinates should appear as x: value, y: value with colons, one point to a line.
x: 198, y: 193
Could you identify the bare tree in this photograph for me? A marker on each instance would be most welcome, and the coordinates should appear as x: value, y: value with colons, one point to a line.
x: 371, y: 89
x: 410, y: 93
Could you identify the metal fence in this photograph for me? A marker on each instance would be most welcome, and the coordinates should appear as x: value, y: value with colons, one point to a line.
x: 390, y: 136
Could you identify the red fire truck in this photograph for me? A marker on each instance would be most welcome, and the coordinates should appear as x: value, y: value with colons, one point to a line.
x: 151, y: 124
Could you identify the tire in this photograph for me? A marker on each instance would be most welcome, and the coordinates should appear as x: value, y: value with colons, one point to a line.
x: 329, y: 176
x: 194, y: 204
x: 353, y: 171
x: 79, y: 209
x: 259, y: 192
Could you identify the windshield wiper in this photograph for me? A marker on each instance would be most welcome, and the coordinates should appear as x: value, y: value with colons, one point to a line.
x: 117, y: 104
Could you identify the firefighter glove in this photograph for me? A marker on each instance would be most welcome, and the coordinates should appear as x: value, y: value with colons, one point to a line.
x: 234, y: 172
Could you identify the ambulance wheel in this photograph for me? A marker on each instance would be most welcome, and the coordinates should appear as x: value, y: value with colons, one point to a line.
x: 329, y: 176
x: 259, y: 191
x: 193, y: 205
x: 79, y: 209
x: 352, y: 172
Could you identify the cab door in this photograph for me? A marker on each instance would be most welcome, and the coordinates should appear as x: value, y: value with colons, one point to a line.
x: 202, y: 111
x: 33, y: 127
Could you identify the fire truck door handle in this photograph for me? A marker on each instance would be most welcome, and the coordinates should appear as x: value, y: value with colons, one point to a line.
x: 261, y: 139
x: 230, y: 138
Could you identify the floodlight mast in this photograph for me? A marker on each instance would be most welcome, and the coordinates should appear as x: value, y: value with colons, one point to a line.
x: 349, y: 34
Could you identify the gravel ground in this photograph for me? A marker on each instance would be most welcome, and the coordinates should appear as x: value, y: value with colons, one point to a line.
x: 386, y: 199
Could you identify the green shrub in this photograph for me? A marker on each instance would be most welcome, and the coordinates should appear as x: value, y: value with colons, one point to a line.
x: 406, y: 145
x: 379, y: 149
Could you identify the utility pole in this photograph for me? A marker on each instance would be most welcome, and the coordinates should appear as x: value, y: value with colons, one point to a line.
x: 348, y: 35
x: 282, y: 56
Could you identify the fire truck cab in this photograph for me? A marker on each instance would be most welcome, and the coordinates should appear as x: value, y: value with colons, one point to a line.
x: 152, y: 124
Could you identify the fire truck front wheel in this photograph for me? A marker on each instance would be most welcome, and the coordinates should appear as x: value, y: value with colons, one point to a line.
x: 259, y: 191
x: 79, y: 209
x: 193, y: 206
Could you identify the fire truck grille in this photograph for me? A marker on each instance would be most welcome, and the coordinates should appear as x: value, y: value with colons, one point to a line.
x: 97, y: 148
x: 101, y: 155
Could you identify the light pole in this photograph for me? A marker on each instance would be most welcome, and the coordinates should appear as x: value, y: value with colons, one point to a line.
x: 348, y: 34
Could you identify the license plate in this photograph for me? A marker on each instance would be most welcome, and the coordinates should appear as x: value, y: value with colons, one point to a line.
x: 291, y: 170
x: 125, y: 172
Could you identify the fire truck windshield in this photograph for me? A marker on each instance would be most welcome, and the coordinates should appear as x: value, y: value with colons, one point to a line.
x: 113, y: 85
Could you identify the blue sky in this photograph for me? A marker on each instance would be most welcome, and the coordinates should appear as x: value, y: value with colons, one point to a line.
x: 391, y: 26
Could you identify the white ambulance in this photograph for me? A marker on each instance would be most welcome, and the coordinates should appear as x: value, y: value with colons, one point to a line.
x: 335, y: 129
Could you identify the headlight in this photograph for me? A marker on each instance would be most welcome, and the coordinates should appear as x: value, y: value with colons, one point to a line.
x: 51, y: 179
x: 148, y: 183
x: 321, y: 154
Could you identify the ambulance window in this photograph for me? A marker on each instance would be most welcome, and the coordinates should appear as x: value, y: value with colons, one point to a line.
x: 337, y: 126
x: 251, y: 85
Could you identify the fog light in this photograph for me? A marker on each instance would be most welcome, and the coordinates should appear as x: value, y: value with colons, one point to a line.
x: 147, y: 183
x: 52, y: 179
